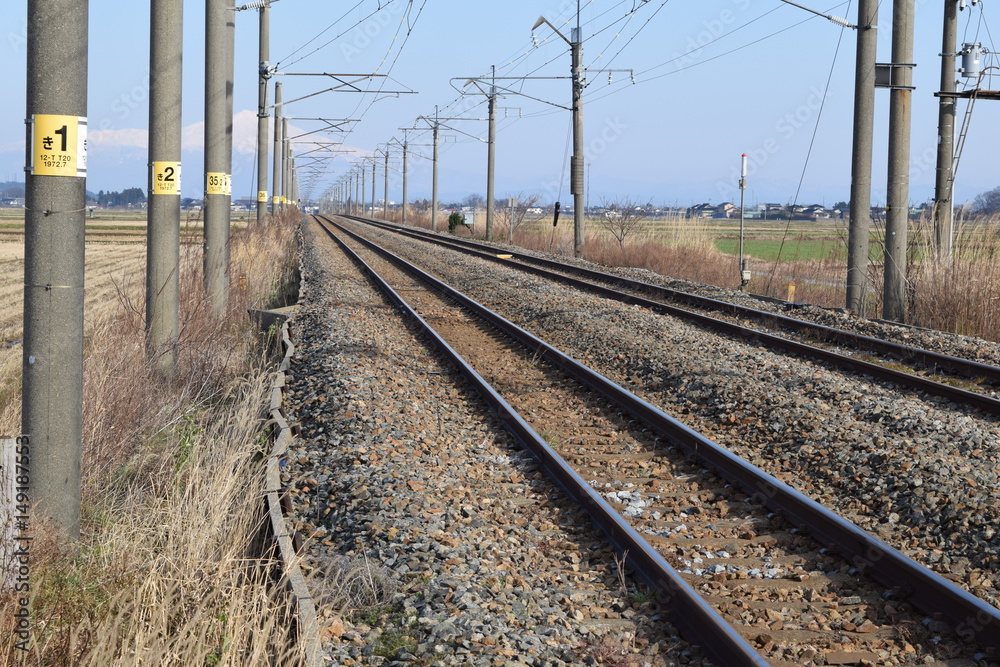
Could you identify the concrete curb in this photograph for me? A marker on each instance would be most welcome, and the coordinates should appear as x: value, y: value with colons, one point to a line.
x: 292, y: 579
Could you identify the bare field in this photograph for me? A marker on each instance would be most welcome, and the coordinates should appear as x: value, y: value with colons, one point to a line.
x: 110, y: 268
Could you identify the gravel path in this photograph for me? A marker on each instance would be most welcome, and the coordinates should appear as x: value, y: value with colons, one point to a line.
x: 387, y: 480
x: 916, y: 471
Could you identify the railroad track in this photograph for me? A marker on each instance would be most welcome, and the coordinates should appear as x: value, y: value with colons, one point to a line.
x: 756, y: 587
x: 964, y: 381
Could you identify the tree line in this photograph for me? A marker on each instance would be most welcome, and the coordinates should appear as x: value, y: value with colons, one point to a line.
x: 127, y: 197
x: 987, y: 203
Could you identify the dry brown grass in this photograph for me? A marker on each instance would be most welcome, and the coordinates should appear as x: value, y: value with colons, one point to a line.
x: 164, y: 572
x: 689, y: 257
x: 962, y: 294
x: 108, y: 267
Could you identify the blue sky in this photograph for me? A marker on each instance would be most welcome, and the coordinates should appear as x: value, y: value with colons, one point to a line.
x: 714, y: 79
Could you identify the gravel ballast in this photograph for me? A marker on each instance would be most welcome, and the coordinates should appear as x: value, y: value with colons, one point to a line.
x: 918, y: 472
x: 423, y: 516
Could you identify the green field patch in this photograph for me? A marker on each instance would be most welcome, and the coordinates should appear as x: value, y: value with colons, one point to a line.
x: 795, y: 250
x: 792, y: 249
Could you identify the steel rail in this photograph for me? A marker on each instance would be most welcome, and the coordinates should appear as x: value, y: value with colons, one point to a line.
x: 971, y: 617
x: 696, y: 620
x: 928, y: 358
x: 987, y: 403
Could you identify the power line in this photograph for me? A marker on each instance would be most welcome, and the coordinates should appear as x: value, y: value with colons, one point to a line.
x: 648, y: 20
x: 616, y: 88
x: 357, y: 113
x: 323, y: 31
x: 812, y: 143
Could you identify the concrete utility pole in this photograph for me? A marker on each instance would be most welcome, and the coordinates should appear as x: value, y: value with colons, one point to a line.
x: 861, y: 157
x: 286, y: 165
x: 218, y: 155
x: 374, y: 167
x: 164, y: 208
x: 434, y: 188
x: 576, y: 175
x: 276, y: 166
x: 943, y: 206
x: 385, y: 202
x: 404, y: 178
x: 897, y: 198
x: 361, y: 187
x: 435, y: 126
x: 262, y: 115
x: 54, y: 221
x: 491, y: 158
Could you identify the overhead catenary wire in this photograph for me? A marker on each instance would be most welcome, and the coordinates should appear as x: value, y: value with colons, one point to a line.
x: 324, y: 31
x: 375, y: 93
x: 521, y: 59
x: 602, y: 93
x: 524, y: 54
x: 635, y: 34
x: 805, y: 165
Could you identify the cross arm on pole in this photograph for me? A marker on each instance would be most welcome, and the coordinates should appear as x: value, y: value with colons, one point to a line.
x: 541, y: 20
x: 346, y: 83
x: 478, y: 81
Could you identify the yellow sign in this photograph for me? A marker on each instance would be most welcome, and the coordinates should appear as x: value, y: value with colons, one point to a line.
x: 58, y: 145
x: 215, y: 183
x: 229, y: 185
x: 262, y: 196
x: 166, y: 178
x: 275, y: 199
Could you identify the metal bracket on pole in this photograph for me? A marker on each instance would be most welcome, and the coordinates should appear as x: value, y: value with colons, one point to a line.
x: 347, y: 83
x: 887, y: 75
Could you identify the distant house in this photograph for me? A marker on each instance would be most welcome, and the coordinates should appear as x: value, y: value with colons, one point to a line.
x: 817, y: 212
x: 701, y: 211
x: 725, y: 210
